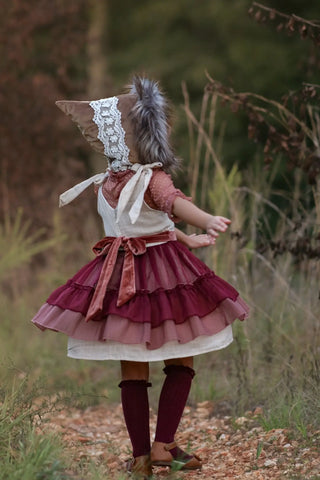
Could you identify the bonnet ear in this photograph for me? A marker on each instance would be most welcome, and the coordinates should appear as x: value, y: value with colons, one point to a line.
x: 82, y: 114
x: 107, y: 125
x: 150, y: 116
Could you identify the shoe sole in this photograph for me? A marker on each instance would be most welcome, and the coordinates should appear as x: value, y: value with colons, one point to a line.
x: 175, y: 465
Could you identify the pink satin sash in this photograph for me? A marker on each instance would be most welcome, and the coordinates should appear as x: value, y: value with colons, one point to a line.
x: 132, y: 246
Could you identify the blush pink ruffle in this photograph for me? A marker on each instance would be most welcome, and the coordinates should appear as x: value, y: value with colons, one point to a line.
x: 119, y: 329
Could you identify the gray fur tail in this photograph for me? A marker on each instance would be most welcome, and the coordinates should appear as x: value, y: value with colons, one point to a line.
x: 151, y: 118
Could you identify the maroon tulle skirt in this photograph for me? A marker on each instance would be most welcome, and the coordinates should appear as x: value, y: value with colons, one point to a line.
x: 173, y: 287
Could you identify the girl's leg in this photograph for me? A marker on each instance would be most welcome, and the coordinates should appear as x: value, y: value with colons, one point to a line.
x: 186, y: 362
x: 173, y: 398
x: 135, y: 404
x: 134, y: 370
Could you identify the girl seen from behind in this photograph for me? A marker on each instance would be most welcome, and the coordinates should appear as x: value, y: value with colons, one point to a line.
x: 144, y: 297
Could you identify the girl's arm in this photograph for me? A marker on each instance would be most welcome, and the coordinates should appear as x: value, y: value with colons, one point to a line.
x: 194, y: 241
x: 189, y: 213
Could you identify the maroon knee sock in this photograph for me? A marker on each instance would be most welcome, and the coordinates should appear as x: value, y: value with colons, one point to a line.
x: 135, y: 404
x: 173, y: 398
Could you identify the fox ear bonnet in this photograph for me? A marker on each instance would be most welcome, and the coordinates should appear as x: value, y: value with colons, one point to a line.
x: 128, y: 128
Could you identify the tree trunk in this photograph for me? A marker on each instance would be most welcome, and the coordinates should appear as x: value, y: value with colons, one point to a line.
x: 99, y: 81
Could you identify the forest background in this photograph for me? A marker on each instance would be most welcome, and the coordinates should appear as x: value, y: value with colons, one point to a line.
x: 253, y: 156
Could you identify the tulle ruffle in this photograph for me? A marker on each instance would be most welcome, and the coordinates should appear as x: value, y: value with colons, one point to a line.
x: 122, y: 330
x: 171, y: 284
x: 178, y: 298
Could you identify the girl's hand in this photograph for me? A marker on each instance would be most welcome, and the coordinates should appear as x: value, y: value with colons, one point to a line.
x: 189, y: 213
x: 217, y: 224
x: 198, y: 241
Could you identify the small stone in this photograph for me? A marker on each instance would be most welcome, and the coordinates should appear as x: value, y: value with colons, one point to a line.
x: 270, y: 463
x: 241, y: 420
x: 287, y: 445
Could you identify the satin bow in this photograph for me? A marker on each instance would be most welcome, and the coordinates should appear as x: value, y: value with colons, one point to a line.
x: 110, y: 246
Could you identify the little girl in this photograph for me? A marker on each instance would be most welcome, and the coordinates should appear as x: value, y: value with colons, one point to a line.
x: 145, y: 297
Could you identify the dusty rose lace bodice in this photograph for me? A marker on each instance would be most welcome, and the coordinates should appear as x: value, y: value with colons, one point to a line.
x: 160, y: 193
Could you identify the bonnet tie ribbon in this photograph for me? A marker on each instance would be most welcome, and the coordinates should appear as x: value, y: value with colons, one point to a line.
x: 69, y: 195
x: 110, y: 246
x: 137, y: 183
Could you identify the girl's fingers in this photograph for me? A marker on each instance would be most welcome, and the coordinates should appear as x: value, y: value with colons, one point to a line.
x: 223, y: 223
x: 206, y: 239
x: 202, y: 240
x: 212, y: 232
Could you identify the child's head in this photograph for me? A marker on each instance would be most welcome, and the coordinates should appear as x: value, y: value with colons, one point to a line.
x: 129, y: 128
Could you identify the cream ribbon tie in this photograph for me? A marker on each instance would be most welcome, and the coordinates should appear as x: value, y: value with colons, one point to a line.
x: 69, y: 195
x: 138, y: 183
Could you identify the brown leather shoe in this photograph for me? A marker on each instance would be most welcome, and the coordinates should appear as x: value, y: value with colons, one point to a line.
x: 161, y: 456
x: 140, y: 467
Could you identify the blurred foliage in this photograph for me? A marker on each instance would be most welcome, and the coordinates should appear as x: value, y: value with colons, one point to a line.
x: 42, y: 48
x: 18, y: 245
x: 44, y: 57
x: 180, y: 40
x: 175, y: 41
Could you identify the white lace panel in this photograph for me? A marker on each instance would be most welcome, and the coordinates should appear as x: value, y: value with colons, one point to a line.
x: 107, y: 117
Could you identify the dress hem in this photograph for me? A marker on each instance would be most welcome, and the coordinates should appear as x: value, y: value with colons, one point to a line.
x: 115, y: 351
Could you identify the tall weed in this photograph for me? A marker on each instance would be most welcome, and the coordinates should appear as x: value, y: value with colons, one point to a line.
x: 273, y: 360
x: 18, y: 245
x: 24, y: 453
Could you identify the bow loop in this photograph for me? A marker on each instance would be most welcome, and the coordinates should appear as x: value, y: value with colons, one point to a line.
x: 138, y: 183
x: 136, y: 245
x: 102, y: 247
x: 109, y: 246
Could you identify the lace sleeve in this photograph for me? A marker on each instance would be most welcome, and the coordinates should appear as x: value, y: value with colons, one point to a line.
x: 163, y: 193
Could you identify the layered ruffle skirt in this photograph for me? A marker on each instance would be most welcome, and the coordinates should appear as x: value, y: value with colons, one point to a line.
x: 180, y: 308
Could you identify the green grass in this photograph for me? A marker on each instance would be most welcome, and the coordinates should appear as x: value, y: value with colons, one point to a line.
x: 24, y: 453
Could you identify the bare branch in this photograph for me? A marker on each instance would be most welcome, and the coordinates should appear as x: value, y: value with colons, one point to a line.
x: 291, y: 23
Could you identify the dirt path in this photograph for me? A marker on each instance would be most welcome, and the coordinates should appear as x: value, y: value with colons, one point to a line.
x: 230, y: 449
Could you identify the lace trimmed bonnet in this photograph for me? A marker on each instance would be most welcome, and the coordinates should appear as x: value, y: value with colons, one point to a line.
x: 131, y: 130
x: 128, y: 128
